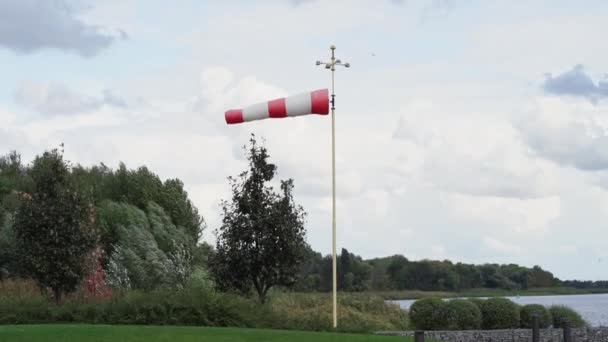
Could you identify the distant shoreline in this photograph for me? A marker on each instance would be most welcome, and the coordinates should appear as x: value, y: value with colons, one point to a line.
x: 415, y: 294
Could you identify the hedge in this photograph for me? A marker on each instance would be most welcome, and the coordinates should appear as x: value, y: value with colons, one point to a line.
x: 477, y: 301
x: 499, y: 313
x: 426, y: 314
x: 461, y: 314
x: 527, y: 313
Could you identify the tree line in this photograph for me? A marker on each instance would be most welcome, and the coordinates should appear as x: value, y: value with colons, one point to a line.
x: 398, y: 273
x: 68, y: 225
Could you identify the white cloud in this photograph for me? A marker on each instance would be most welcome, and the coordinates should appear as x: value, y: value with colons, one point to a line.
x: 473, y: 155
x: 567, y: 249
x: 568, y: 132
x: 516, y: 215
x: 501, y: 247
x: 57, y: 99
x: 6, y: 118
x: 527, y: 48
x: 437, y: 252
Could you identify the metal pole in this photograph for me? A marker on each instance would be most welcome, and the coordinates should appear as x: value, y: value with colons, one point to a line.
x: 419, y: 336
x: 535, y: 328
x: 567, y: 332
x: 332, y: 66
x: 333, y: 191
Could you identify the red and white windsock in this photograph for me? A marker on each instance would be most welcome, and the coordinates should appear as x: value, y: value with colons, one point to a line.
x: 314, y: 102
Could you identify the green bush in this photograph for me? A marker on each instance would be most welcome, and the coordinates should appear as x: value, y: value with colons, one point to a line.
x: 461, y: 314
x: 527, y: 313
x: 426, y: 314
x: 562, y: 314
x: 499, y: 313
x: 477, y: 301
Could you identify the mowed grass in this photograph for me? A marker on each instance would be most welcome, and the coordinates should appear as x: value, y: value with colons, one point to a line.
x: 129, y: 333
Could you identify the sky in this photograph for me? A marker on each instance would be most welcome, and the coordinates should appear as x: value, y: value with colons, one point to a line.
x: 475, y: 131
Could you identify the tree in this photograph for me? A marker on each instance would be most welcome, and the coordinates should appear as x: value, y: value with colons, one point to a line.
x: 353, y: 273
x: 53, y: 228
x: 344, y: 268
x: 261, y: 242
x: 4, y: 190
x: 397, y: 271
x: 8, y: 251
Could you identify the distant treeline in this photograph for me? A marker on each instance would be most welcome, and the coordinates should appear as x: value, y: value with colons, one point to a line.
x: 398, y: 273
x: 587, y: 284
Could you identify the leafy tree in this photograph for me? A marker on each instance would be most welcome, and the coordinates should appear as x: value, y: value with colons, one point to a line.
x: 470, y: 276
x: 397, y: 271
x: 261, y: 242
x: 174, y: 199
x: 13, y: 174
x: 140, y: 187
x: 541, y: 278
x: 309, y: 277
x: 149, y: 251
x: 353, y: 273
x: 4, y: 190
x: 53, y: 228
x: 8, y: 251
x: 345, y: 264
x: 379, y: 280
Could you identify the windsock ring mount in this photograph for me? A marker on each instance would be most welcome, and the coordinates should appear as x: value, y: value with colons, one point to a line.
x: 314, y: 102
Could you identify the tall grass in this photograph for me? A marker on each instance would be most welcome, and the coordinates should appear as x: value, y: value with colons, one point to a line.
x: 202, y: 306
x: 356, y: 313
x: 19, y: 289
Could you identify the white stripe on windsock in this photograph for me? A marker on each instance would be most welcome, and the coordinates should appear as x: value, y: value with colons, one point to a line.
x: 257, y: 111
x: 298, y: 104
x: 315, y: 102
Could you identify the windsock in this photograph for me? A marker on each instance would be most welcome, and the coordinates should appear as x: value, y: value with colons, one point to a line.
x: 314, y: 102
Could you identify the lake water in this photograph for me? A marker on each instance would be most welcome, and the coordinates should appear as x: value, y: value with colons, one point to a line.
x: 593, y: 307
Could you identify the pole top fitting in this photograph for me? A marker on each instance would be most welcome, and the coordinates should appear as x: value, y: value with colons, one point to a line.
x: 333, y: 47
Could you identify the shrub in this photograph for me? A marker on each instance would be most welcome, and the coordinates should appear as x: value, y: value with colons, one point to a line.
x: 499, y: 313
x: 461, y: 314
x: 426, y: 314
x: 477, y: 301
x: 527, y: 313
x: 562, y: 314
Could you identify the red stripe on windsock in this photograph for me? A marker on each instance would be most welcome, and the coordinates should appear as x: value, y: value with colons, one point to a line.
x: 319, y: 102
x: 234, y: 116
x: 277, y: 108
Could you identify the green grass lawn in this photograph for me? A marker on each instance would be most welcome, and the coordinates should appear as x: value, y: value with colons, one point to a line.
x: 129, y: 333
